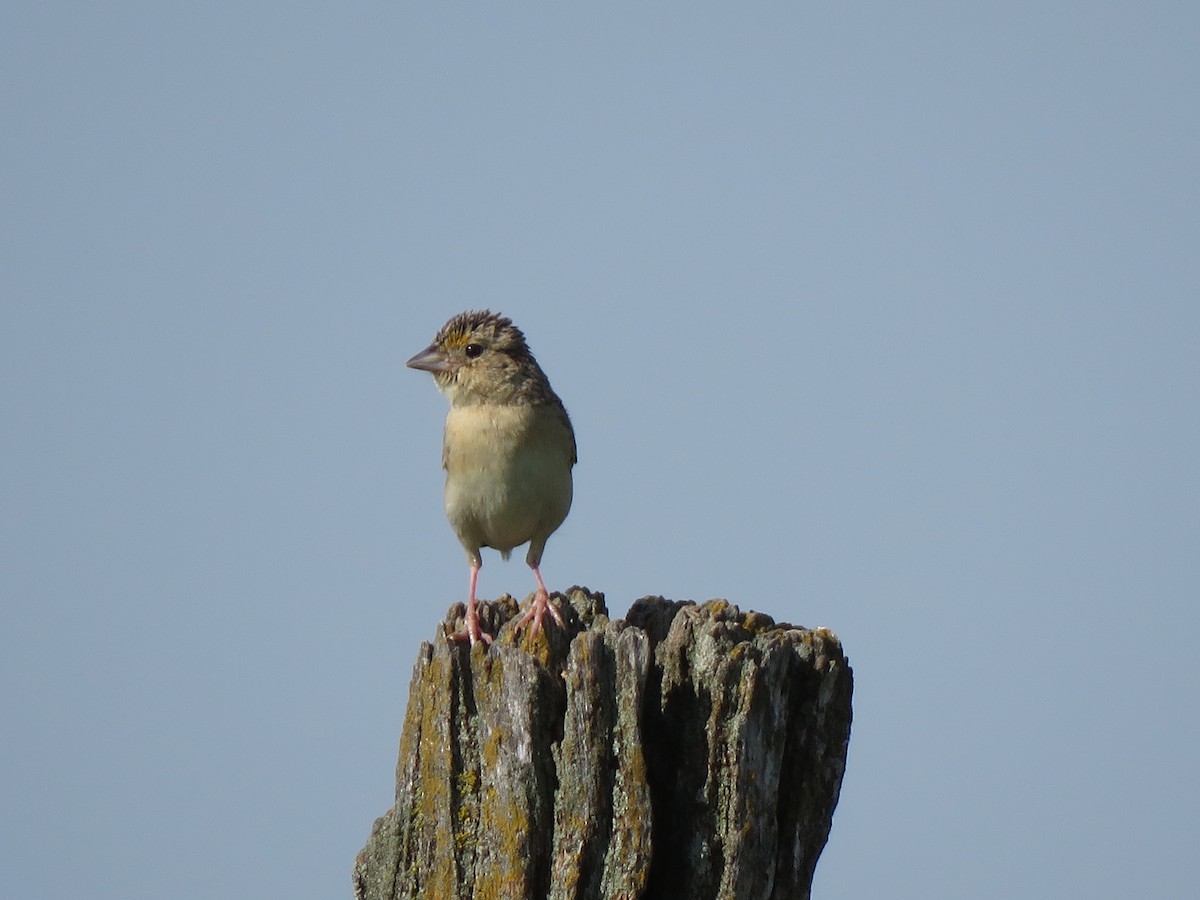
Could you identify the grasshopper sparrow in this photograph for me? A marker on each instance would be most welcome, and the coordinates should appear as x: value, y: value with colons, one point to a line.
x: 508, y: 449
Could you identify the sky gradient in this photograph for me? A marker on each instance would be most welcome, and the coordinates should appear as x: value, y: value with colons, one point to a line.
x: 882, y: 318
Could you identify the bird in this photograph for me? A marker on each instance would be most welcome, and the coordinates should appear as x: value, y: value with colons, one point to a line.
x: 508, y: 450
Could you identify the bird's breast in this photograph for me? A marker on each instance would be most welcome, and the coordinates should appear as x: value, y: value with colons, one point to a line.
x: 508, y: 473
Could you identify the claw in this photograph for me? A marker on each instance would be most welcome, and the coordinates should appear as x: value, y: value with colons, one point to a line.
x: 471, y: 630
x: 537, y: 612
x: 474, y: 635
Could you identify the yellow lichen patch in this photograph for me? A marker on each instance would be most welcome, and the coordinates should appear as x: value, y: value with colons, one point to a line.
x: 717, y: 607
x: 507, y: 822
x: 467, y: 783
x: 537, y: 647
x: 756, y: 622
x: 491, y: 749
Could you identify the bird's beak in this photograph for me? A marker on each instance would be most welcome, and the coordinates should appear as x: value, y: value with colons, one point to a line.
x: 431, y: 359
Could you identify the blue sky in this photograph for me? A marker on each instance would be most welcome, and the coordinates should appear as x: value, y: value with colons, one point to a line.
x: 883, y: 318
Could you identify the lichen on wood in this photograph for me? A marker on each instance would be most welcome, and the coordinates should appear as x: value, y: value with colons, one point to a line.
x: 688, y: 751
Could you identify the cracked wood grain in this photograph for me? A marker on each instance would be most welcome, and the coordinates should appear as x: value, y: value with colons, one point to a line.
x: 689, y: 751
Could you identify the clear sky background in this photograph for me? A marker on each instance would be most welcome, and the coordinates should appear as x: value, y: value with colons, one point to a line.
x: 882, y: 317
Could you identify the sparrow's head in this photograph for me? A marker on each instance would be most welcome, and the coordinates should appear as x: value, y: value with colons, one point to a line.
x: 481, y: 357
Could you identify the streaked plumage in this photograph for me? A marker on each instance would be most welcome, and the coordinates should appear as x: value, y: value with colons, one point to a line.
x: 508, y: 448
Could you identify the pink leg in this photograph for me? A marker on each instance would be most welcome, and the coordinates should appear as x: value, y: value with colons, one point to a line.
x: 471, y: 630
x: 538, y: 608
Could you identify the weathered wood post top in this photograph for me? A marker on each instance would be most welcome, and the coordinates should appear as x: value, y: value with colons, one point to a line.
x: 687, y: 751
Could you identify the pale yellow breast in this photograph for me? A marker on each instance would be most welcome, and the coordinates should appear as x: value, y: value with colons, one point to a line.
x: 508, y: 473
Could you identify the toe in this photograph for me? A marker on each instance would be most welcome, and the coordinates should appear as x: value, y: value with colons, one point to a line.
x: 536, y: 614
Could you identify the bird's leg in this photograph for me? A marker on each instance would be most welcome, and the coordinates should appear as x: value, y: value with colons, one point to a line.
x: 540, y: 605
x: 471, y: 630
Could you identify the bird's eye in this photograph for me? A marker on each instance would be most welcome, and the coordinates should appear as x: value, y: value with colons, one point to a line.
x: 473, y: 351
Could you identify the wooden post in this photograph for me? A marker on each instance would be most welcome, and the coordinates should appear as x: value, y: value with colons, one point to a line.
x: 689, y: 751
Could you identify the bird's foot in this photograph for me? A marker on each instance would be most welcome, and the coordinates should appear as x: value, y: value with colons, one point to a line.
x: 475, y: 636
x: 537, y: 612
x: 471, y: 630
